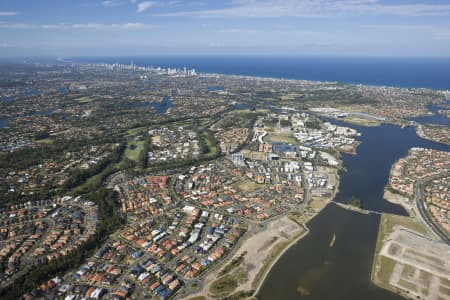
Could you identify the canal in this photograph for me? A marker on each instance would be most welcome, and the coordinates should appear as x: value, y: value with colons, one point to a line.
x: 311, y: 269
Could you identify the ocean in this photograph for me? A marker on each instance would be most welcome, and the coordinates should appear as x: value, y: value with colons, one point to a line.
x: 426, y: 72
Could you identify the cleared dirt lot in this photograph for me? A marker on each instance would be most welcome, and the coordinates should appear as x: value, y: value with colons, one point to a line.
x: 260, y: 250
x: 409, y: 261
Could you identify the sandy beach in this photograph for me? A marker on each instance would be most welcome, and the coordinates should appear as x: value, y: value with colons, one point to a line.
x: 407, y: 204
x: 260, y: 251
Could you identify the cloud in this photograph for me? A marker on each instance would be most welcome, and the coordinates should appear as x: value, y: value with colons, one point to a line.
x: 5, y: 45
x: 16, y: 25
x: 113, y: 3
x: 7, y: 13
x: 127, y: 26
x: 143, y: 6
x: 438, y: 31
x: 239, y: 30
x: 53, y: 26
x: 316, y: 8
x: 92, y: 26
x: 216, y: 45
x: 137, y: 26
x: 441, y: 35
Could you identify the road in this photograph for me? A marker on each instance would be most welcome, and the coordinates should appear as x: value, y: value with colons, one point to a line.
x: 419, y: 198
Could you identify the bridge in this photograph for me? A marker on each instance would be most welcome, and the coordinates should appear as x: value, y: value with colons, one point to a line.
x: 443, y: 239
x: 357, y: 209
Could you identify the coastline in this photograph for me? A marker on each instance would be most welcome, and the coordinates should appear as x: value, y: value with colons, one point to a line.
x: 324, y: 203
x: 421, y: 133
x: 399, y: 199
x: 295, y: 239
x: 269, y: 243
x: 100, y: 59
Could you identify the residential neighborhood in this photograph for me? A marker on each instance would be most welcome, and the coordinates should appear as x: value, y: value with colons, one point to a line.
x: 40, y: 232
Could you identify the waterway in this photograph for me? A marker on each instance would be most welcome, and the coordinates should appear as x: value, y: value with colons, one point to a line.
x: 4, y: 122
x: 311, y: 269
x: 160, y: 107
x: 435, y: 118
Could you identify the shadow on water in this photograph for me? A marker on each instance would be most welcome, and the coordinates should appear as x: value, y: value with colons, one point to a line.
x: 311, y: 269
x: 312, y: 277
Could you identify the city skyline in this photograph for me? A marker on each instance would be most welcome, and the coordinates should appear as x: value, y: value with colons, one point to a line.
x: 235, y: 27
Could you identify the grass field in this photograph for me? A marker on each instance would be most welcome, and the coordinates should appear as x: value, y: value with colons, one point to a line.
x: 133, y: 154
x: 87, y: 99
x: 213, y: 149
x: 290, y: 96
x: 280, y: 138
x: 45, y: 141
x: 363, y: 122
x: 253, y: 154
x: 317, y: 204
x: 193, y: 286
x: 135, y: 131
x: 91, y: 181
x: 223, y: 286
x: 388, y: 222
x: 248, y: 186
x: 233, y: 264
x: 246, y: 111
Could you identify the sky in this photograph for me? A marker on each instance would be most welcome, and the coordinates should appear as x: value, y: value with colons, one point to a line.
x: 64, y: 28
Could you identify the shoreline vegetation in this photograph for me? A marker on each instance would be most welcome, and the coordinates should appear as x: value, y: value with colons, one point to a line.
x: 257, y: 254
x: 362, y: 122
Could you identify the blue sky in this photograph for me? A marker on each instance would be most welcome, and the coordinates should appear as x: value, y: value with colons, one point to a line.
x: 224, y: 27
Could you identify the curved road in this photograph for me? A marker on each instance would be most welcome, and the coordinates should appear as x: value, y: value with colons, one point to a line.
x: 419, y: 195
